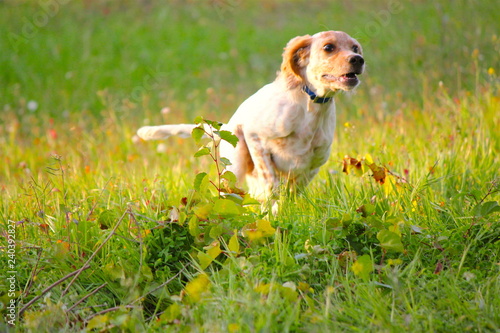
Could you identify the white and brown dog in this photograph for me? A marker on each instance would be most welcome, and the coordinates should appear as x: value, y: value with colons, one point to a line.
x: 285, y: 129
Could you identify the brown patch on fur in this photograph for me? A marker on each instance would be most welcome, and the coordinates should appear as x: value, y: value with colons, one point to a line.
x: 245, y: 154
x: 295, y: 58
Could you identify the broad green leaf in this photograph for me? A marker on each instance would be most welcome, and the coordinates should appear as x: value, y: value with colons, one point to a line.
x: 346, y: 220
x: 305, y: 287
x: 119, y: 319
x: 394, y: 262
x: 390, y: 241
x: 251, y: 232
x: 395, y: 228
x: 265, y: 227
x: 389, y: 185
x: 234, y: 244
x: 216, y: 231
x: 115, y: 272
x: 197, y: 134
x: 198, y: 120
x: 258, y: 230
x: 203, y: 210
x: 229, y: 184
x: 228, y: 175
x: 194, y: 227
x: 172, y: 313
x: 248, y: 200
x: 195, y: 288
x: 214, y: 250
x: 366, y: 209
x: 198, y: 180
x: 262, y: 288
x: 215, y: 124
x: 147, y: 273
x: 98, y: 321
x: 288, y: 294
x: 202, y: 152
x: 363, y: 267
x: 182, y: 218
x: 333, y: 223
x: 228, y: 137
x: 486, y: 208
x: 226, y: 207
x: 375, y: 222
x: 237, y: 199
x: 225, y: 161
x: 204, y: 259
x: 368, y: 159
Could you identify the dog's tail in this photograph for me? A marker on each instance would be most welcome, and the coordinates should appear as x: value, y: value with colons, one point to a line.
x: 164, y: 131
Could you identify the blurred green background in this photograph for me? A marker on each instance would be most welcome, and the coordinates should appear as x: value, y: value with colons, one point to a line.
x: 206, y: 57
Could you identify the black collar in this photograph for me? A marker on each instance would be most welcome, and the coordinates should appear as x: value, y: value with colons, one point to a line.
x: 316, y: 99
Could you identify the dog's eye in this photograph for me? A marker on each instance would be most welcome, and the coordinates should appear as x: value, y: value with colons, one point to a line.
x: 329, y: 47
x: 355, y: 49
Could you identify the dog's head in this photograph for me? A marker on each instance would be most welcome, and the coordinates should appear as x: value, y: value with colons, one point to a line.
x: 327, y: 61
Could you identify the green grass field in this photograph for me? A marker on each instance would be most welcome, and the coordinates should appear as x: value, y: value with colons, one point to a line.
x: 102, y: 233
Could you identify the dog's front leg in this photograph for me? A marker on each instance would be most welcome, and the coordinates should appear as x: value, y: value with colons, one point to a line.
x: 264, y: 180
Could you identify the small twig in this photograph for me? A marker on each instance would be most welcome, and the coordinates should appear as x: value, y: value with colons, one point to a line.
x: 27, y: 305
x: 160, y: 286
x: 110, y: 310
x: 155, y: 315
x: 95, y: 252
x: 84, y: 298
x: 491, y: 191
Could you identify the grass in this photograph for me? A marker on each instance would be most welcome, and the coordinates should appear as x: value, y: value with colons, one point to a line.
x: 419, y: 253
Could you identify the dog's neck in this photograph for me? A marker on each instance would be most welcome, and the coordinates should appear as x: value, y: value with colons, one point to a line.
x: 304, y: 88
x: 327, y: 98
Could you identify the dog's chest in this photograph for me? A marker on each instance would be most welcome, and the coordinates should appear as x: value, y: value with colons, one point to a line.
x: 308, y: 146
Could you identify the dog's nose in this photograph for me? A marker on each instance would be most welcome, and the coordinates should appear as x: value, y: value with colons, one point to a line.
x: 356, y: 60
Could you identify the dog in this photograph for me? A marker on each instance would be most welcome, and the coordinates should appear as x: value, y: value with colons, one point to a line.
x: 286, y: 128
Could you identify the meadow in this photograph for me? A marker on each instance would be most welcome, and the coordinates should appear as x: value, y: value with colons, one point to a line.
x: 101, y: 231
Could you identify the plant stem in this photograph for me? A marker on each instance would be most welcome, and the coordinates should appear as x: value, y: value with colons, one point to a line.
x: 87, y: 296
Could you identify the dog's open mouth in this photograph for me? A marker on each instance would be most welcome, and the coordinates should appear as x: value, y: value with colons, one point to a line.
x: 349, y: 76
x: 349, y: 79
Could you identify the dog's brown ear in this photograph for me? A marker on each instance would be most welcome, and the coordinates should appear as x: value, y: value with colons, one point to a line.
x: 295, y: 57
